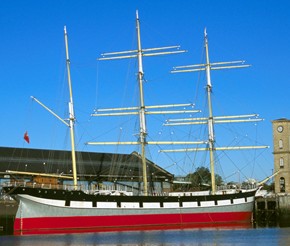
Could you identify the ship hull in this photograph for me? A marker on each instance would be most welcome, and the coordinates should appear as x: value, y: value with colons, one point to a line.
x: 45, y: 214
x: 82, y: 224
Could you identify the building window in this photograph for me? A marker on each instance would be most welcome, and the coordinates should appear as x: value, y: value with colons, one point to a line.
x: 281, y: 162
x: 282, y: 184
x: 280, y: 144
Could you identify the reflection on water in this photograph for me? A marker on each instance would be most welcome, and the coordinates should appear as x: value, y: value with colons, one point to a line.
x: 225, y: 237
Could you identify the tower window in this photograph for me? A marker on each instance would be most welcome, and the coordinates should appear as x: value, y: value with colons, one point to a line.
x: 280, y: 144
x: 281, y: 162
x: 282, y: 184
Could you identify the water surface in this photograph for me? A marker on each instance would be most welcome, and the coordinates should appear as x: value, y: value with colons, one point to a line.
x: 198, y: 237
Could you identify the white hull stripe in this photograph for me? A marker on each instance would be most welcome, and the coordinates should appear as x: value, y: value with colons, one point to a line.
x: 88, y: 204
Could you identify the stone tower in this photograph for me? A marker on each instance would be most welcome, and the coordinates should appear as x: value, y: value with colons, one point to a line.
x: 281, y: 145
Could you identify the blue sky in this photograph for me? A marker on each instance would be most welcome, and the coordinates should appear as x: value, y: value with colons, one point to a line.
x: 33, y: 64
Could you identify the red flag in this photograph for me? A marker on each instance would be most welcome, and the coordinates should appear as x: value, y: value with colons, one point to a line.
x: 26, y: 137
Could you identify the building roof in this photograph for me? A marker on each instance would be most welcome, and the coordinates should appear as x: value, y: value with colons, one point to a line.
x: 91, y: 166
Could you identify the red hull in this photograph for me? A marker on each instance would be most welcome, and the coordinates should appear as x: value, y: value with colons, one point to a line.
x: 52, y: 225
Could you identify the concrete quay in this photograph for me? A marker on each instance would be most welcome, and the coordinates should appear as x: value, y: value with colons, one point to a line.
x: 272, y: 211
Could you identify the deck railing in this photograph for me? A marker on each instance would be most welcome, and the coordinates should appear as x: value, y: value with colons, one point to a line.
x: 86, y: 188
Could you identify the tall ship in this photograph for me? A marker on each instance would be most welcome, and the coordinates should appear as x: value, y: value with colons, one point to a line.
x: 58, y: 209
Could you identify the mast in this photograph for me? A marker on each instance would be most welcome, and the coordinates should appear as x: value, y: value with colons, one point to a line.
x: 71, y: 112
x: 143, y: 131
x: 70, y: 123
x: 211, y: 138
x: 211, y: 120
x: 142, y: 109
